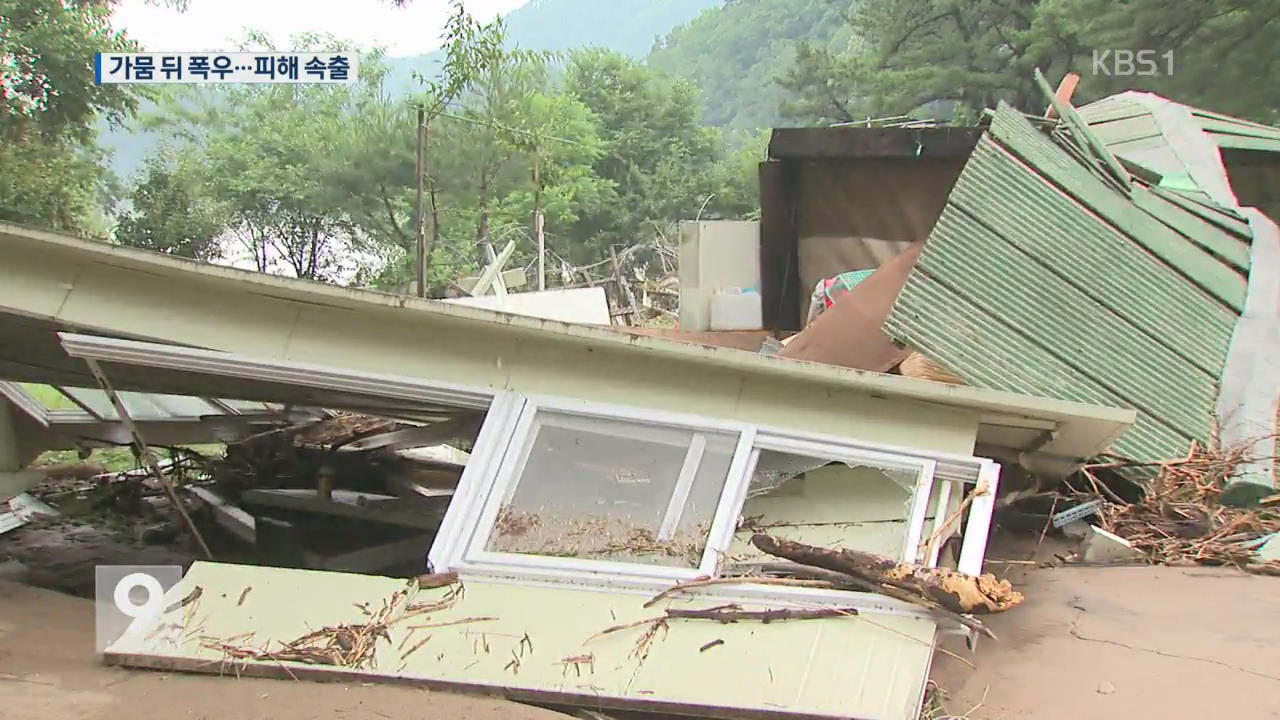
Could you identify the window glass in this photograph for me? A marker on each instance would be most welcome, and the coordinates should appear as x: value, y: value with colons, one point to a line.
x: 863, y: 505
x: 602, y: 489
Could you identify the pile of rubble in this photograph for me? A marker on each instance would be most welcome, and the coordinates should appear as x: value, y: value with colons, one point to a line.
x: 303, y: 495
x: 1180, y: 519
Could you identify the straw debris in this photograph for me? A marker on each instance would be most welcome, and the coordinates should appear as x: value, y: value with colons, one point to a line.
x: 1180, y: 520
x: 352, y: 645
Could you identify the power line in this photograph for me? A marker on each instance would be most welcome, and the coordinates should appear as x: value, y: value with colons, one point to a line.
x: 498, y: 126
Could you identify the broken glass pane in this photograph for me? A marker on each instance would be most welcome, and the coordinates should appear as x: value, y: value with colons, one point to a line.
x: 774, y: 469
x: 601, y: 489
x: 862, y: 505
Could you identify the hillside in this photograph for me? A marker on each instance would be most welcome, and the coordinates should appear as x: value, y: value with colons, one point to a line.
x: 734, y: 52
x: 630, y: 27
x: 627, y: 26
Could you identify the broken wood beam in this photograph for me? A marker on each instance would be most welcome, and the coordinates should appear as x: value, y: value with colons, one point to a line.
x: 848, y: 582
x: 952, y: 590
x: 432, y: 581
x: 733, y: 613
x: 433, y: 434
x: 1066, y: 89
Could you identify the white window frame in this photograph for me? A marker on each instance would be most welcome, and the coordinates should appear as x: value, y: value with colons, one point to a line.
x: 484, y: 498
x: 508, y: 433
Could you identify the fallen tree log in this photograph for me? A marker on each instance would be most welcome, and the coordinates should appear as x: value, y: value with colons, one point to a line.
x: 951, y: 590
x: 848, y: 582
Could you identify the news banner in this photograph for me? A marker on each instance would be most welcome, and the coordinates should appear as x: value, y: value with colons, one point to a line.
x: 241, y: 67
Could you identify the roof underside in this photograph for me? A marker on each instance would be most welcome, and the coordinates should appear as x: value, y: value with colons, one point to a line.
x: 1044, y: 277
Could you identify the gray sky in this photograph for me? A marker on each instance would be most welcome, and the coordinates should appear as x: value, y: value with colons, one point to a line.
x: 218, y: 24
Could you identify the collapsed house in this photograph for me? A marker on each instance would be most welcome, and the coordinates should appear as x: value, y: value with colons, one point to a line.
x: 587, y: 503
x: 601, y: 469
x: 1121, y: 255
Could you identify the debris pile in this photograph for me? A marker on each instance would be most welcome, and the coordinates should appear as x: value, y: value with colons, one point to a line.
x: 1180, y: 520
x: 294, y: 456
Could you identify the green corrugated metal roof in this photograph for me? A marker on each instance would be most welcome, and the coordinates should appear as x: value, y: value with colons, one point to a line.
x: 1035, y: 148
x: 1129, y: 128
x: 1043, y: 278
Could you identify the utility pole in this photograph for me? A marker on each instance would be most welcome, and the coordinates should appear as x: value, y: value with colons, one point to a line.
x: 419, y: 217
x: 538, y: 221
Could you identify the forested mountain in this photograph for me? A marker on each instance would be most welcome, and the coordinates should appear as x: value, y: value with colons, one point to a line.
x: 629, y: 27
x: 734, y: 53
x: 821, y: 61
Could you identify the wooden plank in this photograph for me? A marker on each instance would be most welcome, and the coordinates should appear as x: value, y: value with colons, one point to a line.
x: 779, y: 248
x: 1209, y: 114
x: 433, y: 434
x: 1223, y: 127
x: 1243, y: 142
x: 1081, y: 130
x: 1112, y: 108
x: 855, y: 142
x: 1066, y: 88
x: 228, y: 516
x: 358, y: 506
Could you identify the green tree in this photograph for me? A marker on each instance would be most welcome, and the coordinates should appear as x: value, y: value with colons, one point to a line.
x: 47, y: 52
x: 171, y: 211
x: 926, y: 55
x: 734, y: 53
x: 50, y: 171
x: 911, y: 53
x: 49, y: 182
x: 267, y: 154
x: 656, y: 154
x: 1216, y: 54
x: 499, y: 101
x: 50, y: 174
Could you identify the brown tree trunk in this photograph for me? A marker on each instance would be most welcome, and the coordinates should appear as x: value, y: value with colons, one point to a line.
x: 952, y: 590
x: 482, y: 224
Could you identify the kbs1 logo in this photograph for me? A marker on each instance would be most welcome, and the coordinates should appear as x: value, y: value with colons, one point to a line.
x: 1132, y: 63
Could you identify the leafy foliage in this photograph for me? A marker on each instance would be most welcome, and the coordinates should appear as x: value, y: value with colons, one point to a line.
x: 1224, y: 51
x: 172, y: 212
x: 968, y: 55
x: 46, y: 67
x: 265, y: 153
x: 662, y: 163
x: 50, y: 172
x: 54, y: 183
x: 320, y: 181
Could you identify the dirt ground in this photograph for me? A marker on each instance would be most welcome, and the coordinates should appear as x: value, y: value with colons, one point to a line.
x: 1123, y: 642
x: 1102, y: 643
